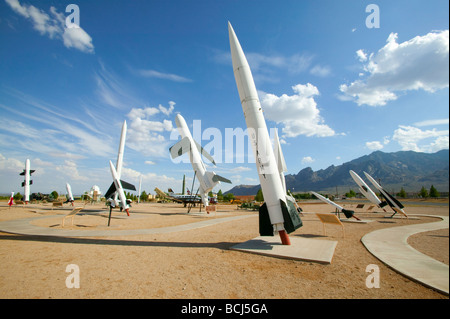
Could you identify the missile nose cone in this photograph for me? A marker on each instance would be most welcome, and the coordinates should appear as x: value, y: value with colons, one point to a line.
x: 179, y: 121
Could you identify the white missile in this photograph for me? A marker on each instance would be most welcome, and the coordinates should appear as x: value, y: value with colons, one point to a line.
x: 396, y: 206
x: 112, y: 191
x: 207, y: 180
x: 27, y: 182
x: 346, y: 212
x: 119, y: 162
x: 366, y: 191
x: 69, y: 193
x: 276, y: 211
x: 119, y: 189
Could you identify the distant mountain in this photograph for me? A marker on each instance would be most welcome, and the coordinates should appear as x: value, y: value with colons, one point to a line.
x: 407, y: 169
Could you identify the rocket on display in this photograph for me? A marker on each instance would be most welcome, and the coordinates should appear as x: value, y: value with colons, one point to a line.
x: 113, y: 193
x: 277, y: 214
x: 366, y: 191
x: 69, y: 194
x: 208, y: 180
x: 396, y: 206
x: 119, y: 189
x: 348, y: 213
x: 27, y: 181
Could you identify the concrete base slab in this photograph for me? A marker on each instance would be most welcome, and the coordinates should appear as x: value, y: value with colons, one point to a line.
x: 305, y: 249
x: 398, y: 216
x: 352, y: 220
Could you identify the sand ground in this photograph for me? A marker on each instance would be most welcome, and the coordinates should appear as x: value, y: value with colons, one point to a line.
x: 199, y: 263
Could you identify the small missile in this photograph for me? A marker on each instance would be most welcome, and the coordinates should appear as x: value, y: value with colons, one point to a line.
x: 119, y: 189
x: 111, y: 192
x: 208, y: 180
x: 69, y: 193
x: 276, y: 211
x: 366, y: 191
x: 393, y: 203
x: 27, y: 182
x: 347, y: 213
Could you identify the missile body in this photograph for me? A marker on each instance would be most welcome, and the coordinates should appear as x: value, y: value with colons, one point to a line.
x: 206, y: 179
x: 268, y: 170
x: 119, y: 189
x: 367, y: 192
x: 113, y: 191
x: 347, y: 213
x: 393, y: 203
x: 27, y: 181
x: 119, y: 162
x: 69, y: 193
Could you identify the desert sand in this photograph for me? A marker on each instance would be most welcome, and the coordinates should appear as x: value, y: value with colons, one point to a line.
x: 199, y: 263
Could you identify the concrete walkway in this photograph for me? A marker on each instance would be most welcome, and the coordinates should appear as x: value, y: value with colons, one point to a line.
x: 391, y: 247
x: 24, y: 227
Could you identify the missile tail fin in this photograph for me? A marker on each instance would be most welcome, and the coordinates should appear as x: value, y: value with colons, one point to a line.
x: 180, y: 148
x: 265, y: 227
x: 291, y: 218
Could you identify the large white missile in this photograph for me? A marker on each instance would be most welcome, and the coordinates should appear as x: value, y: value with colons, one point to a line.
x: 206, y: 179
x: 27, y: 181
x: 396, y: 206
x: 69, y: 193
x: 112, y: 191
x: 366, y: 191
x: 276, y: 211
x: 119, y: 189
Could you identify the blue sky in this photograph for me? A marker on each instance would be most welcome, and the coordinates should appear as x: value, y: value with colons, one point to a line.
x: 335, y: 88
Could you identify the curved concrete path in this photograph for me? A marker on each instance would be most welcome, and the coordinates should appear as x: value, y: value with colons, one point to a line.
x: 391, y: 247
x: 24, y: 227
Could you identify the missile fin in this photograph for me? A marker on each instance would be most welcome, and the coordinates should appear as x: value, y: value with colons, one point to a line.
x: 265, y: 226
x: 204, y: 153
x: 348, y: 213
x: 127, y: 185
x: 291, y: 218
x: 180, y: 148
x: 111, y: 190
x: 218, y: 178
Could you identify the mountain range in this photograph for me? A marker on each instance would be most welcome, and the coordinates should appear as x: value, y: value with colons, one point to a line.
x: 408, y: 169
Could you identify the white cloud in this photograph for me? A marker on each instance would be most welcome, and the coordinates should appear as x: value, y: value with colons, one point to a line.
x: 307, y: 160
x: 361, y: 55
x: 78, y: 38
x: 414, y: 139
x: 54, y: 26
x: 145, y: 134
x: 375, y: 145
x: 419, y: 63
x: 298, y: 113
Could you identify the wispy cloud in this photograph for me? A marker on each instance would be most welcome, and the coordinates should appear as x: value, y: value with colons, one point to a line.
x: 161, y: 75
x: 432, y: 122
x: 53, y: 25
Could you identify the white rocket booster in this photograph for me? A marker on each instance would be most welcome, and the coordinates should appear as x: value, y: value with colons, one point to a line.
x: 393, y: 203
x: 280, y: 212
x: 27, y: 181
x: 119, y: 189
x: 69, y: 193
x: 367, y: 192
x: 118, y: 171
x: 187, y: 144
